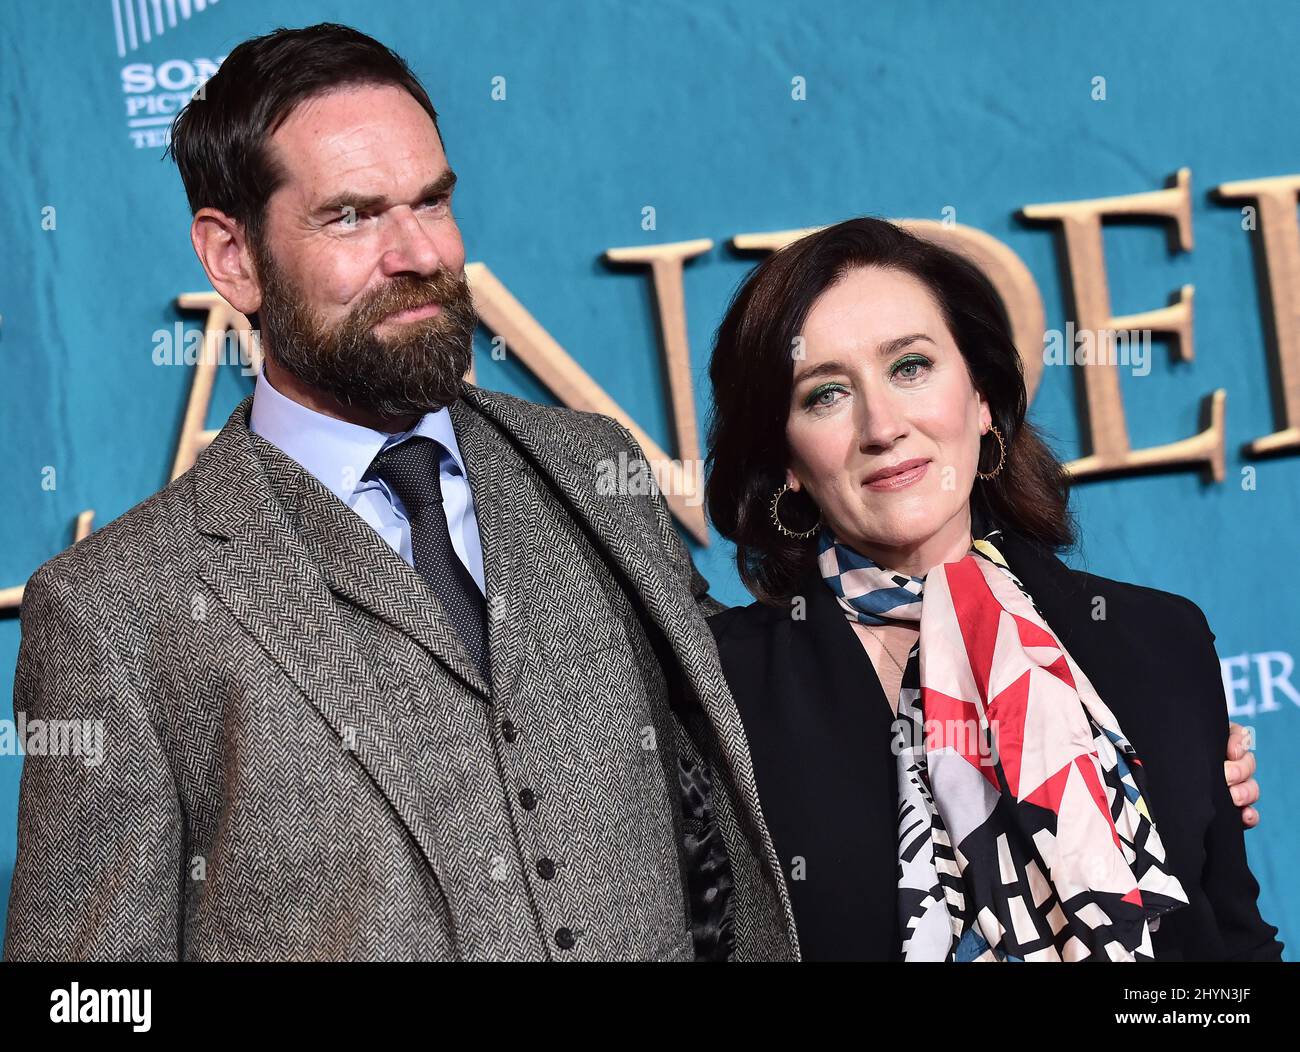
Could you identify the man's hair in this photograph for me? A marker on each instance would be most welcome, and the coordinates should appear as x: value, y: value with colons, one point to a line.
x: 220, y: 139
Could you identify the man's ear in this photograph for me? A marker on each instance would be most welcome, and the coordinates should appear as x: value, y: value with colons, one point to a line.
x: 221, y: 243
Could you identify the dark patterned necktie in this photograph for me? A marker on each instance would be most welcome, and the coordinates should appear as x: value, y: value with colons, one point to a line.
x: 411, y: 469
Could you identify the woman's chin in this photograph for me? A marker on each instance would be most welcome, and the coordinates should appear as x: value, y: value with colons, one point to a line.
x: 908, y: 524
x: 891, y: 536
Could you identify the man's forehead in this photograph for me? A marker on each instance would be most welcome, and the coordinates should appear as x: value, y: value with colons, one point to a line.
x: 370, y: 141
x: 356, y: 105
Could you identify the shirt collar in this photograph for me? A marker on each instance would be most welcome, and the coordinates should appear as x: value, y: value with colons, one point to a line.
x: 335, y: 451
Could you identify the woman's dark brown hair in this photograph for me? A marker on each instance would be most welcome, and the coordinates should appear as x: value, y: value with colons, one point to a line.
x: 753, y: 368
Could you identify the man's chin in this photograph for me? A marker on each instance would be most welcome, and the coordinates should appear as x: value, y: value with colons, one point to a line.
x: 430, y: 399
x: 414, y: 372
x: 390, y: 331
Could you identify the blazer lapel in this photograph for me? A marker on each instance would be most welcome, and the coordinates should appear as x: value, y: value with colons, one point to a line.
x: 277, y: 582
x: 670, y: 606
x: 834, y: 652
x: 359, y: 565
x: 356, y: 562
x: 609, y: 519
x: 495, y: 485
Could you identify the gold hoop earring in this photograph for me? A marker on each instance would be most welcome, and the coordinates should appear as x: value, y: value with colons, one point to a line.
x: 1002, y: 455
x: 776, y: 519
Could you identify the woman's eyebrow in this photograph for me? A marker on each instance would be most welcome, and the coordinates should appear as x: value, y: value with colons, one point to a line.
x: 820, y: 369
x: 899, y: 342
x: 883, y: 350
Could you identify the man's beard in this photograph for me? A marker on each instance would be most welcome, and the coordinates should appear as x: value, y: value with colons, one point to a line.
x: 416, y: 369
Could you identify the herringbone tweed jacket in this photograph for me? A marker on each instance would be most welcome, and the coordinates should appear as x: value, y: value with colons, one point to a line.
x: 301, y: 761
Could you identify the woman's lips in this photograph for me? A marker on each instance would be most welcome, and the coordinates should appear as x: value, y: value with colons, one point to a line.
x: 902, y: 479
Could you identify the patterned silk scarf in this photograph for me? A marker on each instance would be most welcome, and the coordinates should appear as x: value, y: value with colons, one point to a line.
x: 1024, y: 832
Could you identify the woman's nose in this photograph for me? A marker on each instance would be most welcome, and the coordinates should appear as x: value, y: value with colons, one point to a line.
x: 880, y: 422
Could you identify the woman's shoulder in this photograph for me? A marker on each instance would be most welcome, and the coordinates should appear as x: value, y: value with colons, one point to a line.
x: 1170, y: 608
x: 802, y: 632
x: 1120, y: 631
x: 744, y: 623
x: 1049, y: 571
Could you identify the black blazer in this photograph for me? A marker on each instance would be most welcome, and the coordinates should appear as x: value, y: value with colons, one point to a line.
x: 819, y: 731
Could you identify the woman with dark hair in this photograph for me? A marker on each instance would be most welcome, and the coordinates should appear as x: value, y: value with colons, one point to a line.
x: 964, y: 749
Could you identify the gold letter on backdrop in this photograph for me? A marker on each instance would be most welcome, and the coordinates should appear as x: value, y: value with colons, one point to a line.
x: 221, y: 318
x: 666, y: 263
x: 574, y: 387
x: 1103, y: 407
x: 1280, y: 234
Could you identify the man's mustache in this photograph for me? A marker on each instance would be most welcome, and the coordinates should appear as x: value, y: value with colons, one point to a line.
x: 400, y: 294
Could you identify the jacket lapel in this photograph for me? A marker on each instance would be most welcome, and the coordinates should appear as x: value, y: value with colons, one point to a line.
x: 615, y: 525
x: 273, y: 549
x: 495, y: 485
x: 355, y: 561
x: 359, y: 565
x: 609, y: 519
x: 835, y: 654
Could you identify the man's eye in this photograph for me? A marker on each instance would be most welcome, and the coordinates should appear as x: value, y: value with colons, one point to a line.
x: 436, y: 202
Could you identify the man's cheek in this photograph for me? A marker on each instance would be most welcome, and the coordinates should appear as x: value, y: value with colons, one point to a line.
x: 333, y: 281
x: 452, y: 249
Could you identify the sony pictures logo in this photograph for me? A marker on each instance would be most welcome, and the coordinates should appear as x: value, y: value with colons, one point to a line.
x: 154, y: 92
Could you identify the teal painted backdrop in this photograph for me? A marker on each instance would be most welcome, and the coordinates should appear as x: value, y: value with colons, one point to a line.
x: 911, y: 108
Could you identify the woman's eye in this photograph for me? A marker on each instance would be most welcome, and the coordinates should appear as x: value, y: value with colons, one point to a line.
x: 918, y: 365
x: 824, y: 396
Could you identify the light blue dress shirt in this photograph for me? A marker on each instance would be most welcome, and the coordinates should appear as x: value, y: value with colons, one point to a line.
x: 339, y: 453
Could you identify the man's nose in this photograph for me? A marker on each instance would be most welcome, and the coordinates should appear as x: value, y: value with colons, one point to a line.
x: 410, y: 248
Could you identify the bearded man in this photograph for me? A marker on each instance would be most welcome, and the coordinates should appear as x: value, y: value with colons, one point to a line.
x: 383, y: 676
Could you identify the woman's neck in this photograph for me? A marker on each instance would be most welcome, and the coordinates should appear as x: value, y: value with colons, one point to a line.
x: 916, y: 560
